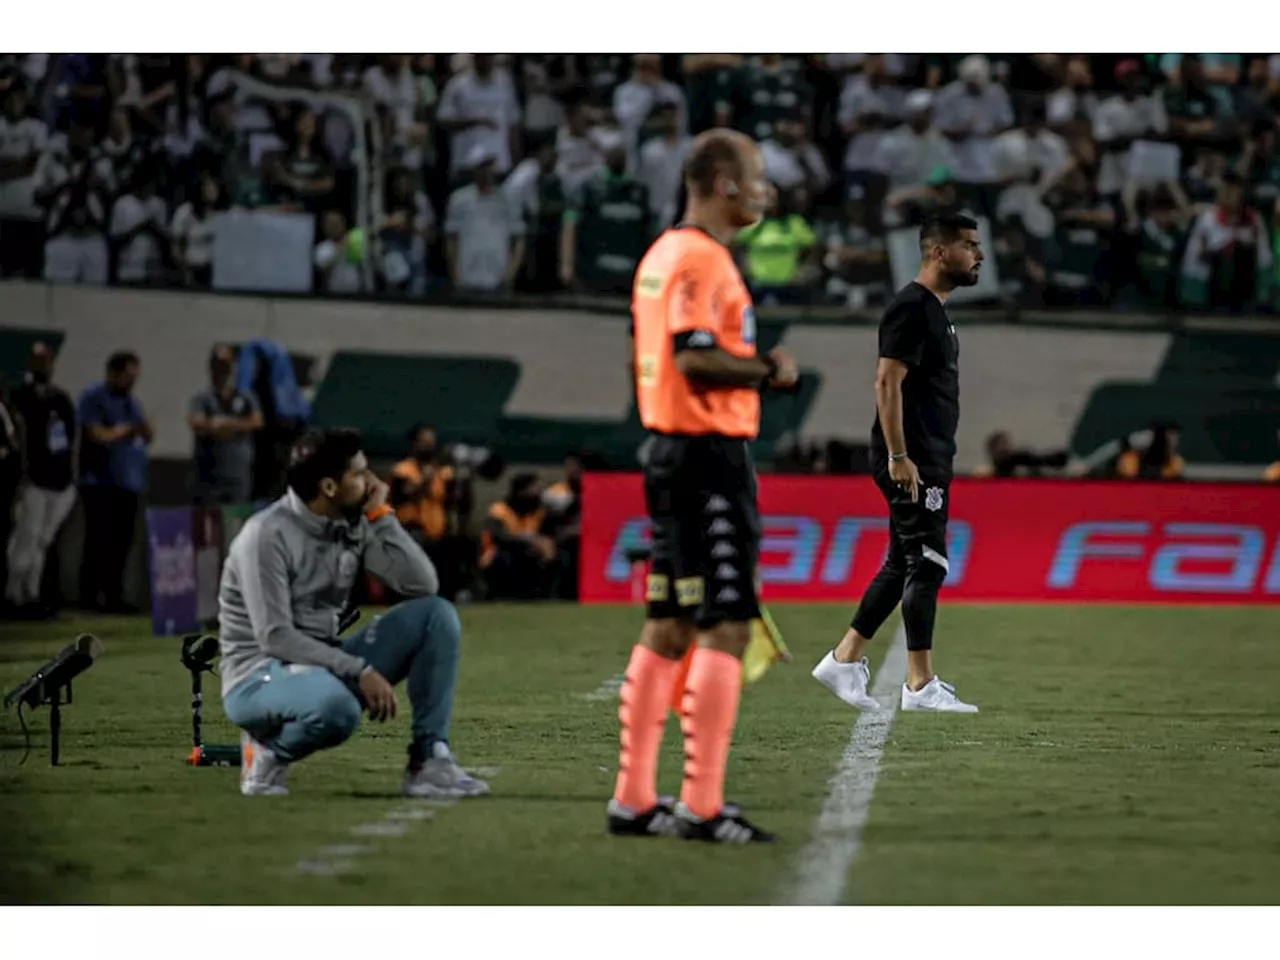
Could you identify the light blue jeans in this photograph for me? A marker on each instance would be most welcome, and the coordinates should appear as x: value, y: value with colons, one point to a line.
x: 296, y: 710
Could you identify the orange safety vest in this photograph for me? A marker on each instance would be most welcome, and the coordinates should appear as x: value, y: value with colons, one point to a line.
x: 428, y: 511
x: 513, y: 523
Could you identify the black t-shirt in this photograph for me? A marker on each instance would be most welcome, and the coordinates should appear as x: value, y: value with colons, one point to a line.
x: 916, y: 330
x: 49, y: 418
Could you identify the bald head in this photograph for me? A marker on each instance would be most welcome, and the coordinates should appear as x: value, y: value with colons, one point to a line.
x: 716, y: 153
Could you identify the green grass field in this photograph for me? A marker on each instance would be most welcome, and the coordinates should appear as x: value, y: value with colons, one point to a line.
x: 1122, y: 756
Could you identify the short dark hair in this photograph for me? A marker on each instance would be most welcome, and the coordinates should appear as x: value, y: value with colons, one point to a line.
x: 119, y: 361
x: 713, y: 153
x: 944, y: 228
x: 318, y: 455
x: 522, y: 482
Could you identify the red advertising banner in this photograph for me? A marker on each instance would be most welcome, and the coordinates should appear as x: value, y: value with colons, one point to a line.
x: 1009, y: 540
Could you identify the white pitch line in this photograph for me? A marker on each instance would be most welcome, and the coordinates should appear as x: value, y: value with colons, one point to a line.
x: 824, y: 864
x: 608, y: 690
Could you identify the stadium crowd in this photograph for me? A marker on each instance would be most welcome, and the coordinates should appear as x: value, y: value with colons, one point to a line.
x: 1125, y: 180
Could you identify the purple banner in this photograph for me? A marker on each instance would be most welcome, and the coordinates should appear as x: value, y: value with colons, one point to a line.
x: 171, y: 552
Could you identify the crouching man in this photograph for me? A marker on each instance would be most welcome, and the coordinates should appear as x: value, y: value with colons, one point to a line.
x: 288, y: 682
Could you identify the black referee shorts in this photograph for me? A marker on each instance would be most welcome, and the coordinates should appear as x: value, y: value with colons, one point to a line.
x: 701, y: 495
x: 917, y: 530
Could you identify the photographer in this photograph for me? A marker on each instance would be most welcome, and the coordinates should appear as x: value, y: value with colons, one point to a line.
x: 518, y: 560
x: 425, y: 493
x: 1004, y: 460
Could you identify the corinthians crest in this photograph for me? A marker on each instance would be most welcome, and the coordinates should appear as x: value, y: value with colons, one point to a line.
x: 933, y: 498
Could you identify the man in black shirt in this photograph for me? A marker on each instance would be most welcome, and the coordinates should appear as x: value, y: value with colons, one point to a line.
x: 49, y: 433
x: 913, y: 445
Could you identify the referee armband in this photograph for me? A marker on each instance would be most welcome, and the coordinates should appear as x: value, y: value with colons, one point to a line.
x: 697, y: 339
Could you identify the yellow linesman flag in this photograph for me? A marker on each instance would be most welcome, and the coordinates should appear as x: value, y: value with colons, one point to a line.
x: 765, y: 648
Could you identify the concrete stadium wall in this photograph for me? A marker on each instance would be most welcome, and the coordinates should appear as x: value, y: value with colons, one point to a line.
x: 1032, y: 381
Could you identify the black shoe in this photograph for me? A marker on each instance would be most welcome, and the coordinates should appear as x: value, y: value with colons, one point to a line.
x: 729, y: 827
x: 658, y: 821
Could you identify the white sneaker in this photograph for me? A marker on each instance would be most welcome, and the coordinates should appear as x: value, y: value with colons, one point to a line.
x: 936, y: 695
x: 848, y: 681
x: 441, y: 778
x: 262, y: 773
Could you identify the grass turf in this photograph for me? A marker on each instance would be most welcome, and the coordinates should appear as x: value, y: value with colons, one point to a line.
x: 1123, y: 755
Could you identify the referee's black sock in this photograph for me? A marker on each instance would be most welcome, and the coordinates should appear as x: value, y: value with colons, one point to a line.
x: 920, y: 602
x: 883, y: 594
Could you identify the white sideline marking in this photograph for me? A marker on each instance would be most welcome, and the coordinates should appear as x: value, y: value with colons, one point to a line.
x: 824, y: 863
x: 379, y: 829
x: 608, y: 690
x: 325, y: 868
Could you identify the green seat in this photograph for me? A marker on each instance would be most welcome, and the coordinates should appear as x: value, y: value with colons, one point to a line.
x: 1223, y: 423
x: 384, y: 395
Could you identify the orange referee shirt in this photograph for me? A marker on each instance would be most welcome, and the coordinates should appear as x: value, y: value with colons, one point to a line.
x: 688, y: 287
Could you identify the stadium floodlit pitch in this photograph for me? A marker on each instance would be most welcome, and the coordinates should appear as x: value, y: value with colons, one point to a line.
x: 1122, y: 755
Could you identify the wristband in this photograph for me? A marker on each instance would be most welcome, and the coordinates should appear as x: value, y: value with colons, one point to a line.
x: 897, y: 456
x: 377, y: 513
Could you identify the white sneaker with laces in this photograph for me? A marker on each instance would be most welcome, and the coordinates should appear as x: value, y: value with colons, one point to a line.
x: 848, y: 681
x: 937, y: 696
x: 262, y: 773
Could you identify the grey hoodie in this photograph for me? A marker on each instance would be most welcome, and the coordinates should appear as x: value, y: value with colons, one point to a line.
x: 288, y: 577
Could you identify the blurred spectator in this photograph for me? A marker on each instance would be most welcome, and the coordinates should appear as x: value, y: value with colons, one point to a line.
x: 484, y: 231
x: 911, y: 152
x: 518, y: 561
x: 479, y: 109
x: 192, y: 232
x: 1199, y: 111
x: 113, y: 474
x: 1133, y: 114
x: 563, y: 502
x: 768, y: 89
x: 710, y: 83
x: 1219, y: 68
x: 1019, y: 264
x: 973, y: 111
x: 870, y: 105
x: 408, y: 230
x: 636, y: 101
x: 543, y: 114
x: 1161, y: 227
x: 73, y: 182
x: 1006, y: 460
x: 1260, y: 165
x: 855, y: 257
x: 1258, y: 99
x: 912, y: 205
x: 1272, y: 473
x: 661, y: 167
x: 223, y: 420
x: 1159, y: 460
x: 607, y: 229
x: 300, y: 176
x: 1228, y: 254
x: 127, y: 154
x: 424, y: 492
x: 139, y: 238
x: 538, y: 192
x: 394, y: 87
x: 791, y: 161
x: 339, y: 255
x: 48, y: 433
x: 1072, y: 104
x: 777, y: 250
x: 23, y: 138
x: 578, y: 157
x: 1083, y: 222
